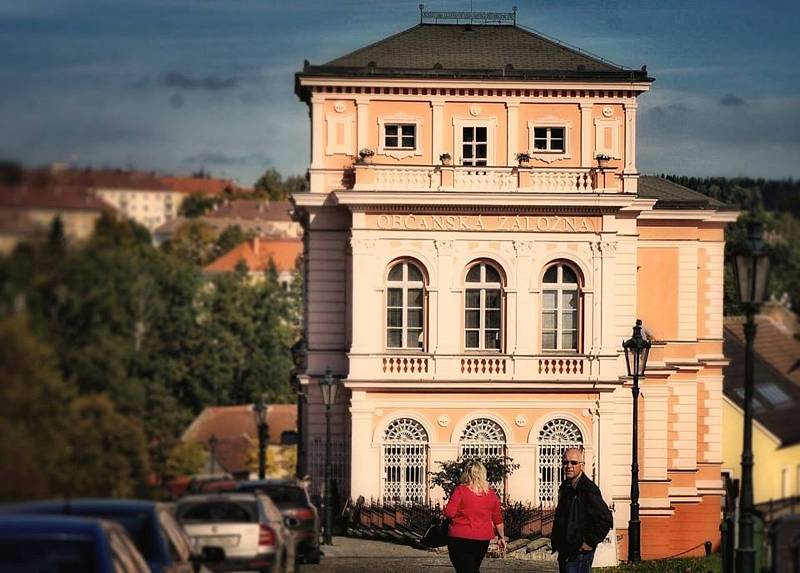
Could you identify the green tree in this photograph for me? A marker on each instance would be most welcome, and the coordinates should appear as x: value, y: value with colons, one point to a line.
x: 229, y: 238
x: 108, y: 450
x: 194, y: 242
x: 33, y: 396
x: 270, y: 186
x: 185, y: 458
x: 449, y: 475
x: 197, y: 204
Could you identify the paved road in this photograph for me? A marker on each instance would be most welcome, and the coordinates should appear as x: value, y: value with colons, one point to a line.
x: 348, y: 555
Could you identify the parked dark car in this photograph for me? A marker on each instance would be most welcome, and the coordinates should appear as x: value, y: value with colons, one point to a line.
x: 151, y: 526
x: 292, y: 499
x: 58, y: 544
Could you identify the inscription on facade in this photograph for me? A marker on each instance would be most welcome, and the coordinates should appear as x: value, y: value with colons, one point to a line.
x: 511, y: 223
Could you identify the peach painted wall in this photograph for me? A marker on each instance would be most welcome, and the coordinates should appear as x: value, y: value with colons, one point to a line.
x: 657, y: 288
x: 551, y: 113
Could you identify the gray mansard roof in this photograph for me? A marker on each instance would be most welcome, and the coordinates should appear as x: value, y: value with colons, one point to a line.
x: 673, y: 196
x: 478, y: 51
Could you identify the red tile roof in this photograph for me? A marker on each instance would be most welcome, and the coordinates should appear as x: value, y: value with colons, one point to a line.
x: 776, y: 381
x: 236, y: 432
x: 56, y: 197
x: 124, y: 179
x: 253, y: 209
x: 256, y: 254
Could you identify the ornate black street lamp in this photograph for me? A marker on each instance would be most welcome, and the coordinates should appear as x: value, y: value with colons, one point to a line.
x: 328, y: 385
x: 751, y: 269
x: 260, y: 410
x: 637, y: 348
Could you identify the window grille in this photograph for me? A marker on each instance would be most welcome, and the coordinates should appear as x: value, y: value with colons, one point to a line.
x: 556, y: 436
x: 405, y: 462
x: 484, y: 439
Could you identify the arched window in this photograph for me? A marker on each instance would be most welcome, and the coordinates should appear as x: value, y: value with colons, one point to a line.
x: 555, y: 436
x: 405, y: 461
x: 560, y: 306
x: 483, y: 299
x: 405, y: 307
x: 484, y: 439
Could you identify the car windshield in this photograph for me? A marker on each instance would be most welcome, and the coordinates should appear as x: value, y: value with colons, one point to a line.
x: 47, y: 555
x: 286, y: 495
x: 218, y: 512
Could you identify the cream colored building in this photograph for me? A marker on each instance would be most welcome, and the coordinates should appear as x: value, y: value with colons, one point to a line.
x: 148, y: 207
x: 476, y: 304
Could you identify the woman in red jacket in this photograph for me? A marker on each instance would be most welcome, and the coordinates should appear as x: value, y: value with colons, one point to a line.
x: 475, y: 510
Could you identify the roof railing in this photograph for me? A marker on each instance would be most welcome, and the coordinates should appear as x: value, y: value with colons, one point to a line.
x: 429, y: 17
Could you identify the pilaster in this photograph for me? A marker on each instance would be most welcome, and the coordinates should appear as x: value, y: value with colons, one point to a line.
x: 512, y: 126
x: 586, y: 134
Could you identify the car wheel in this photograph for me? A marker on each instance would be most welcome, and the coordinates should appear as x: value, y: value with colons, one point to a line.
x: 314, y: 556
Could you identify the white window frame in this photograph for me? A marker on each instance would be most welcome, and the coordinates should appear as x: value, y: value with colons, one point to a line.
x: 399, y: 152
x: 561, y: 287
x: 404, y: 285
x: 482, y: 286
x: 490, y: 124
x: 547, y: 155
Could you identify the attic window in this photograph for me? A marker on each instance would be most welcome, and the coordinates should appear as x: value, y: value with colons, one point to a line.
x: 773, y: 395
x: 400, y: 136
x: 549, y: 139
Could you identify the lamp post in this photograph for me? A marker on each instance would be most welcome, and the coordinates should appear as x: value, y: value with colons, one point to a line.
x: 328, y: 385
x: 299, y: 352
x: 260, y: 410
x: 751, y: 271
x: 637, y: 348
x: 212, y: 446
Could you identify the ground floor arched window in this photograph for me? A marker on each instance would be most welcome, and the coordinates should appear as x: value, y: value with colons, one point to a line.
x: 405, y: 462
x: 483, y: 438
x: 555, y: 436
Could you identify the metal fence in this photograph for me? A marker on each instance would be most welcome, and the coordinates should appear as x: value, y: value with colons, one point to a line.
x: 409, y: 521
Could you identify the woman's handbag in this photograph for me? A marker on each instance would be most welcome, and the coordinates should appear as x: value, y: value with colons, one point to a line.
x: 436, y: 534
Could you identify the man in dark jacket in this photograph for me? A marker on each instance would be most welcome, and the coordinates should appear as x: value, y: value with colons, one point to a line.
x: 582, y: 518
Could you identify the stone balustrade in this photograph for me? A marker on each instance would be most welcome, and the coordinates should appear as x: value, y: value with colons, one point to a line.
x: 382, y: 177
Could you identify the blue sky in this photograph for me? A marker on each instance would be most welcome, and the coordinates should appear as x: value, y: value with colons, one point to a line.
x: 175, y: 85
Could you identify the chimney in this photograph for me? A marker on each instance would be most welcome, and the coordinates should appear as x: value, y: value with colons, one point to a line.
x: 780, y: 314
x: 255, y: 245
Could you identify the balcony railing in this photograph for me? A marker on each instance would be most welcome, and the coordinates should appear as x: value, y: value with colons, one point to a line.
x: 382, y: 177
x: 425, y: 367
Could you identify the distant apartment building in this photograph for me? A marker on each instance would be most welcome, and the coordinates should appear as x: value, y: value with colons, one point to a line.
x: 27, y: 212
x: 79, y: 196
x: 153, y: 201
x: 258, y: 217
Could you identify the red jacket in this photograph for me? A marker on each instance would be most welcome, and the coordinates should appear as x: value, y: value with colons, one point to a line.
x: 473, y: 514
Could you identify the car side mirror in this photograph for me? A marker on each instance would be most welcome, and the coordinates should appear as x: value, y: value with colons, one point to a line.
x: 291, y: 522
x: 213, y: 554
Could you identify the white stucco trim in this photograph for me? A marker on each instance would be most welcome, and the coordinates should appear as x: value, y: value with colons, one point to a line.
x: 383, y: 423
x: 399, y: 118
x: 459, y: 426
x: 490, y: 123
x: 550, y: 156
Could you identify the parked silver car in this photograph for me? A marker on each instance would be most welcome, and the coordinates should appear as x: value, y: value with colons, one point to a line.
x: 248, y: 526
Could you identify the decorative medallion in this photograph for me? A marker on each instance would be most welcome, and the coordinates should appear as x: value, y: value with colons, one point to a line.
x: 339, y: 107
x: 608, y: 111
x: 443, y: 420
x: 521, y: 421
x: 474, y: 110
